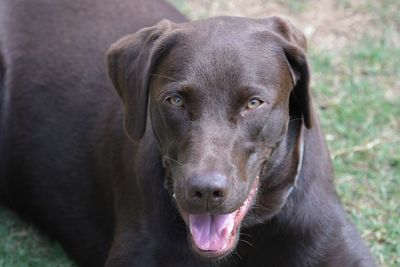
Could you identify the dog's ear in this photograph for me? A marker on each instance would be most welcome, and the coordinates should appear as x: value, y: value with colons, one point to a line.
x: 295, y: 47
x: 131, y: 60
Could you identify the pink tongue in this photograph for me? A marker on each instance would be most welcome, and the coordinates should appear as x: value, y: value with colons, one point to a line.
x: 211, y: 231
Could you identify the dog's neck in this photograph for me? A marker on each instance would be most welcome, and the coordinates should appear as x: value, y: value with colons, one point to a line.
x: 299, y: 163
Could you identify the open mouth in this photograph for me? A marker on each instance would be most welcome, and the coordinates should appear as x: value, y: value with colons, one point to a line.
x: 215, y: 235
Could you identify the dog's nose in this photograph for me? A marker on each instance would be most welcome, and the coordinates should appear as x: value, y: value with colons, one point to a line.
x: 208, y: 189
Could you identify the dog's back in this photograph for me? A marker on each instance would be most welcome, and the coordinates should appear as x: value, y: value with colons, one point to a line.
x: 56, y: 104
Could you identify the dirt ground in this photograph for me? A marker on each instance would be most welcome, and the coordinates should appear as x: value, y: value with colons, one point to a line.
x: 328, y: 24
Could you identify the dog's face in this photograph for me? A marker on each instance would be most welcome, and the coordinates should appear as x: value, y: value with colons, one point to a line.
x: 219, y: 95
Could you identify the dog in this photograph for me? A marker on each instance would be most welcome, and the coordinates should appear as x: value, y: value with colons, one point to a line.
x: 207, y: 153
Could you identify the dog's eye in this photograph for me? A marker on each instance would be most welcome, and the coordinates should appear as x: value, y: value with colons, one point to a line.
x: 176, y: 100
x: 253, y: 103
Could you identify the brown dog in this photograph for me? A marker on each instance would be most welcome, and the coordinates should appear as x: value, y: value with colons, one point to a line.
x: 225, y: 164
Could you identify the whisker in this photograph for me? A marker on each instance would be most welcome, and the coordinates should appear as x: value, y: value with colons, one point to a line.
x: 258, y: 206
x: 246, y: 242
x: 163, y: 76
x: 173, y: 160
x: 240, y: 257
x: 244, y: 234
x: 173, y: 177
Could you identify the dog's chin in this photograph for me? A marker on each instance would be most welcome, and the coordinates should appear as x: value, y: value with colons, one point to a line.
x: 214, y: 236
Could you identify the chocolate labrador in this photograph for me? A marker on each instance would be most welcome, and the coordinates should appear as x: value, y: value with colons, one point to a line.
x: 214, y: 156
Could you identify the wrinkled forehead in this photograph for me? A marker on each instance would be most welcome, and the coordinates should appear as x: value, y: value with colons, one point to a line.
x: 226, y: 55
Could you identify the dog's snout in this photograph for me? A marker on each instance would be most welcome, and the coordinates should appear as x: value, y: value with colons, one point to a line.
x: 207, y: 189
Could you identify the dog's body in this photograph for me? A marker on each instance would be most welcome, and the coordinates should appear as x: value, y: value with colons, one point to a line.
x: 67, y: 164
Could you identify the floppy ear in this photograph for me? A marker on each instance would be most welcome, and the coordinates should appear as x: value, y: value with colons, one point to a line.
x: 295, y: 47
x: 131, y: 60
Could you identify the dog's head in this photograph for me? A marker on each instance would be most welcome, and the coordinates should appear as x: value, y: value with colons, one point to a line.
x: 226, y: 99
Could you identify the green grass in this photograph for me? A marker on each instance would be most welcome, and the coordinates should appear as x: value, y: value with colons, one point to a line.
x: 362, y: 126
x: 21, y: 245
x: 357, y: 93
